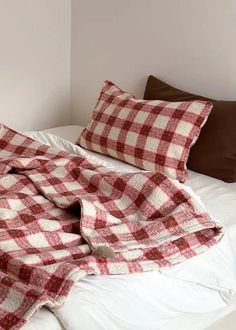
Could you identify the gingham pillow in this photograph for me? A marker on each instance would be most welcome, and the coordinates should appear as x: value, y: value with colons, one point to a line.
x: 152, y: 135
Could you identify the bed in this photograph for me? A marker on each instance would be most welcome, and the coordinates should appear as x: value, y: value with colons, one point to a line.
x: 116, y: 302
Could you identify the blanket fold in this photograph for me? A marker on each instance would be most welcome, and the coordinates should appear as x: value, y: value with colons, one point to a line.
x: 62, y: 217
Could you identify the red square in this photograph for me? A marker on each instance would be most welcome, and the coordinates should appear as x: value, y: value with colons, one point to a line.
x: 3, y: 144
x: 138, y: 153
x: 199, y: 121
x: 54, y: 284
x: 181, y: 243
x: 99, y: 223
x: 178, y: 114
x: 153, y: 254
x: 91, y: 188
x: 19, y: 150
x: 111, y: 120
x: 98, y: 116
x: 123, y: 103
x: 27, y: 218
x: 89, y: 136
x: 179, y: 197
x: 160, y: 159
x: 103, y: 141
x: 140, y: 235
x: 112, y: 238
x: 120, y: 147
x: 127, y: 124
x: 167, y: 136
x: 36, y: 209
x: 138, y: 106
x: 139, y: 200
x: 119, y: 184
x: 25, y: 273
x: 170, y: 222
x: 8, y: 321
x: 54, y: 181
x: 75, y: 173
x: 145, y: 130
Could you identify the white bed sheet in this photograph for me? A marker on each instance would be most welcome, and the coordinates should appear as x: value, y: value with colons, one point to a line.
x: 220, y: 201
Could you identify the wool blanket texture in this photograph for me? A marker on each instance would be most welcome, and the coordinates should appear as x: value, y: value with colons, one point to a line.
x: 63, y: 217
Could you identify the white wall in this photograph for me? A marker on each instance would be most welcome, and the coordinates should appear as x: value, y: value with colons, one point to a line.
x: 190, y: 43
x: 35, y: 63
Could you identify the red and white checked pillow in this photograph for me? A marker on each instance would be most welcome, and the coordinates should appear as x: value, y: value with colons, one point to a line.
x: 153, y: 135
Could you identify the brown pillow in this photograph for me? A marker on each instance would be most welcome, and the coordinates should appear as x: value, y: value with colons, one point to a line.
x: 214, y: 153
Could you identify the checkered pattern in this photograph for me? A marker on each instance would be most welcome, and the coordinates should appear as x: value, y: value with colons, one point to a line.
x: 57, y: 209
x: 153, y: 135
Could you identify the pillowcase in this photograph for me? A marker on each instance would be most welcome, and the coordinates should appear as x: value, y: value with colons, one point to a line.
x: 152, y: 135
x: 214, y: 153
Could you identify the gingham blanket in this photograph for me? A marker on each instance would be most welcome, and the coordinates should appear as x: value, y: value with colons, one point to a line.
x: 57, y: 210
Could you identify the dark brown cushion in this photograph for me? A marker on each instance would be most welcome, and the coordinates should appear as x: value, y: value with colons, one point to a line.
x: 214, y: 153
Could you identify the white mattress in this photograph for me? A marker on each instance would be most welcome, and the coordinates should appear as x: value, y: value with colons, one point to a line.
x: 126, y: 302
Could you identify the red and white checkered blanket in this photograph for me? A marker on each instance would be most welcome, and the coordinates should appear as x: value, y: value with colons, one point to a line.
x: 57, y: 209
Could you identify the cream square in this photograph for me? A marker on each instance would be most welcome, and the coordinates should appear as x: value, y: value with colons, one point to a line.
x: 8, y: 181
x: 60, y: 253
x: 174, y: 105
x: 6, y: 154
x: 105, y: 188
x: 171, y: 172
x: 129, y: 159
x: 133, y: 254
x: 99, y: 128
x: 16, y: 205
x: 18, y: 140
x: 9, y: 245
x: 109, y: 110
x: 112, y: 153
x: 184, y: 128
x: 158, y: 198
x: 123, y: 113
x: 114, y: 133
x: 51, y: 268
x: 59, y: 172
x: 150, y: 166
x: 118, y: 267
x: 97, y: 147
x: 121, y: 229
x: 60, y: 200
x: 71, y: 186
x: 7, y: 214
x: 196, y: 108
x: 137, y: 181
x: 49, y: 225
x: 161, y: 121
x: 141, y: 117
x: 13, y: 301
x: 131, y: 138
x: 89, y: 208
x: 151, y: 144
x: 31, y: 259
x: 175, y: 150
x: 38, y: 240
x: 124, y: 203
x: 50, y: 190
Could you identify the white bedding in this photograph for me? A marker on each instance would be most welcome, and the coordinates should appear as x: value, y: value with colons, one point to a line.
x: 191, y: 295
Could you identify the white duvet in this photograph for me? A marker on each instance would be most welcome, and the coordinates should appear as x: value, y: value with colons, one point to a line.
x: 190, y: 295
